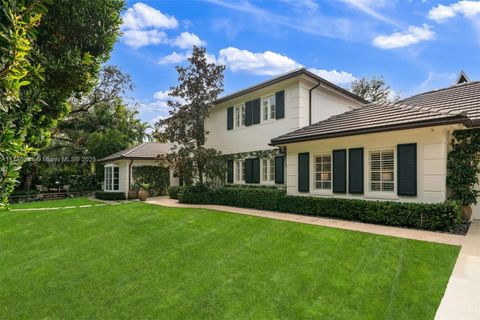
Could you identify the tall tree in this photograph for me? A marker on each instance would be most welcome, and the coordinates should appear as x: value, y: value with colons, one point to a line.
x: 374, y: 89
x: 63, y: 54
x: 200, y: 84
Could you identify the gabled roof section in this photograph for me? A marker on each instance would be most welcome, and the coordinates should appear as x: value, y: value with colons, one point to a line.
x: 464, y: 97
x: 143, y: 151
x: 371, y: 118
x: 286, y: 76
x: 462, y: 78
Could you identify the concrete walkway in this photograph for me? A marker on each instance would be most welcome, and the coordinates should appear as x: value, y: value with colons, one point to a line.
x: 462, y: 297
x: 422, y: 235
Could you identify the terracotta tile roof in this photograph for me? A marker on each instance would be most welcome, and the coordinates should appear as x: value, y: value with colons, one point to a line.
x: 143, y: 151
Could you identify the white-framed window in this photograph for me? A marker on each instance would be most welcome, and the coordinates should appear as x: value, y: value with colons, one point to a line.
x: 268, y: 108
x: 323, y: 172
x: 240, y: 116
x: 240, y: 171
x: 111, y: 178
x: 268, y: 170
x: 382, y: 170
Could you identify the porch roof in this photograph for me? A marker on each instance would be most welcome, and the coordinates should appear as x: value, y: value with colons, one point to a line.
x: 143, y: 151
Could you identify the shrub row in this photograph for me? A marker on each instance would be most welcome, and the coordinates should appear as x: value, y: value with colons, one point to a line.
x: 442, y: 216
x: 104, y: 195
x: 173, y: 191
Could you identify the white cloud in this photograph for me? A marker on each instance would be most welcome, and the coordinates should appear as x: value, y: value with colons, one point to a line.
x: 406, y: 38
x: 442, y: 13
x: 187, y: 40
x: 141, y: 16
x: 337, y: 77
x: 140, y: 38
x: 266, y: 63
x: 174, y: 58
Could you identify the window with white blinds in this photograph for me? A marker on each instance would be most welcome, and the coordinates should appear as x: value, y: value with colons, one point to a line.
x: 323, y: 172
x: 382, y: 170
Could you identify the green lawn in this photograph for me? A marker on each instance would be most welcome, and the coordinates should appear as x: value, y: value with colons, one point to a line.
x: 53, y: 203
x: 140, y: 261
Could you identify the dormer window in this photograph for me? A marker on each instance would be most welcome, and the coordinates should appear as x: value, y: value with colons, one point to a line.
x: 268, y: 108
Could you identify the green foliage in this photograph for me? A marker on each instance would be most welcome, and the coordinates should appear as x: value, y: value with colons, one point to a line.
x: 374, y: 90
x: 154, y: 179
x: 174, y: 191
x: 443, y: 217
x: 104, y: 195
x: 200, y: 84
x: 49, y: 53
x: 464, y: 166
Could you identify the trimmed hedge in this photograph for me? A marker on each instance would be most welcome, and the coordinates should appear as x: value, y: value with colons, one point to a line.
x: 104, y: 195
x: 174, y: 191
x: 442, y: 216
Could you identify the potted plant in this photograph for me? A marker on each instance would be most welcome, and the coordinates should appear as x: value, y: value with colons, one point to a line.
x: 132, y: 194
x: 143, y: 193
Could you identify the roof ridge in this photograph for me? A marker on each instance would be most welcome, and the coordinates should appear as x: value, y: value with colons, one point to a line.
x: 427, y: 109
x: 442, y: 89
x: 128, y: 151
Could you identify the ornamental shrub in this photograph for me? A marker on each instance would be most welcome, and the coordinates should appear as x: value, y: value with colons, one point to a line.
x: 104, y: 195
x: 439, y: 216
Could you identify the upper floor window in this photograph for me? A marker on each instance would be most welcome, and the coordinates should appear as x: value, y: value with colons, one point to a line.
x: 240, y: 116
x: 382, y: 170
x: 111, y: 178
x: 268, y: 170
x: 240, y: 171
x: 268, y: 108
x: 323, y: 172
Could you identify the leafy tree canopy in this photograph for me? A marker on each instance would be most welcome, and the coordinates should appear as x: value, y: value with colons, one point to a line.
x: 200, y: 84
x: 374, y: 89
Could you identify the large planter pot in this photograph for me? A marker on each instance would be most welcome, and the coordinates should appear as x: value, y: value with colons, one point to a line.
x: 132, y: 194
x: 142, y: 195
x: 467, y: 212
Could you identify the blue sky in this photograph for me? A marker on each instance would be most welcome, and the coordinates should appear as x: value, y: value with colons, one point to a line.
x: 416, y: 45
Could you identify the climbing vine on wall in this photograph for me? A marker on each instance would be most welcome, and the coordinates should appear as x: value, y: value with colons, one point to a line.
x: 464, y: 166
x: 156, y: 177
x: 254, y: 154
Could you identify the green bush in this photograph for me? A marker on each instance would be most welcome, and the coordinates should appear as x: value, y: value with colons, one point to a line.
x: 174, y: 191
x: 441, y: 216
x: 104, y: 195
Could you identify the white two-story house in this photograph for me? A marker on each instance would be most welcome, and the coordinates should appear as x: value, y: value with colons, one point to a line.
x: 242, y: 124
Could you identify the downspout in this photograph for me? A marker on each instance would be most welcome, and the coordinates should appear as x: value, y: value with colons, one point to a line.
x: 130, y: 174
x: 310, y: 103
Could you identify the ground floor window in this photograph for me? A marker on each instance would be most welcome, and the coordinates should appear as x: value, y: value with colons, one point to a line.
x: 240, y: 171
x: 111, y: 178
x: 382, y: 170
x: 323, y: 172
x: 268, y: 170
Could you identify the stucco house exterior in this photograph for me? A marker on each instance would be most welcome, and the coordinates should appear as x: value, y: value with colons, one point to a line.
x: 119, y: 166
x: 315, y: 138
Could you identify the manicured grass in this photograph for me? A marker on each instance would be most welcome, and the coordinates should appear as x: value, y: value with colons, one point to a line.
x: 139, y: 261
x: 53, y: 203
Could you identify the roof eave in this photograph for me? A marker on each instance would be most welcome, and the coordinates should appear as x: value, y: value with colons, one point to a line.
x: 126, y: 158
x: 414, y: 125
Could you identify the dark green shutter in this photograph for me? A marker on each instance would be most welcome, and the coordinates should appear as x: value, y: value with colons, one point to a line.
x: 256, y: 170
x: 407, y: 169
x: 248, y: 113
x: 256, y: 111
x: 304, y: 172
x: 248, y: 171
x: 355, y: 170
x: 280, y: 105
x: 230, y: 118
x: 230, y: 171
x: 340, y: 171
x: 279, y: 169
